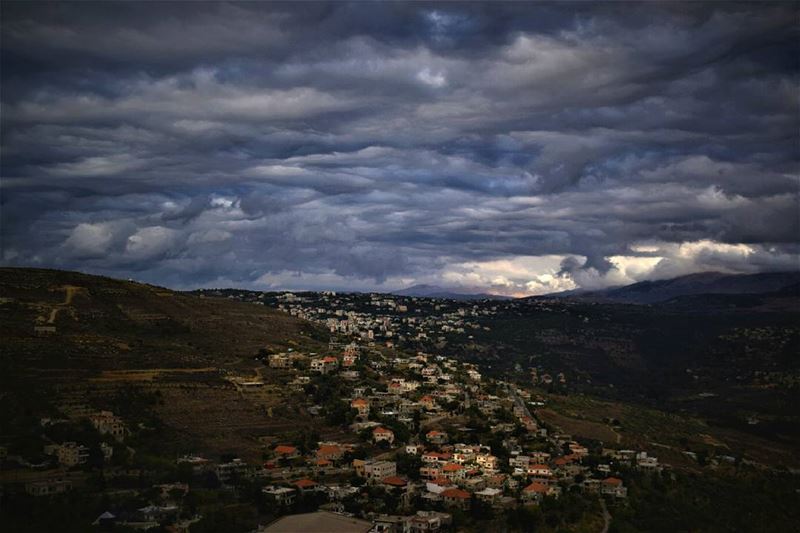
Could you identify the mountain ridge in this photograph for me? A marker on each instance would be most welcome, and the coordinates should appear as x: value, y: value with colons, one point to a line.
x: 434, y: 291
x: 702, y: 283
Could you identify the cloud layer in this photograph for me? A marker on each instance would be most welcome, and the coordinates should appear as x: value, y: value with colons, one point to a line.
x: 509, y: 147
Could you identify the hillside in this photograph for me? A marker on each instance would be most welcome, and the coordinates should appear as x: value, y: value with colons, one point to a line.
x: 650, y: 292
x: 432, y: 291
x: 72, y: 340
x: 103, y: 323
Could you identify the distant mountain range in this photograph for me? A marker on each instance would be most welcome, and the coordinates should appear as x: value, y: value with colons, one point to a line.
x: 705, y: 283
x: 644, y: 292
x: 432, y: 291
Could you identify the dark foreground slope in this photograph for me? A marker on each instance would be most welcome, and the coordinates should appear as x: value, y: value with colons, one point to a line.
x: 72, y: 341
x: 103, y: 323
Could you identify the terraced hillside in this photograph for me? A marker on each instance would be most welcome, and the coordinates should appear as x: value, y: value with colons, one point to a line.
x: 75, y: 341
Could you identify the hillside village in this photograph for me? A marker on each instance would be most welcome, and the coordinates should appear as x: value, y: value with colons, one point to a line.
x: 383, y: 319
x: 429, y: 444
x: 374, y: 426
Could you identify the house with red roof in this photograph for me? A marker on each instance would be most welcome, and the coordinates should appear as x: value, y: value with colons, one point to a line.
x: 436, y: 437
x: 380, y: 434
x: 361, y: 405
x: 453, y: 471
x: 286, y: 452
x: 612, y: 486
x: 324, y: 365
x: 305, y: 485
x: 436, y: 457
x: 330, y: 452
x: 540, y: 472
x: 456, y: 498
x: 497, y: 481
x: 430, y: 471
x: 428, y: 402
x: 394, y: 482
x: 535, y: 492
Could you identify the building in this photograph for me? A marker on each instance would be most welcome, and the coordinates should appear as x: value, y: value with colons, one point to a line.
x: 396, y: 482
x: 414, y: 449
x: 280, y: 495
x: 71, y: 454
x: 436, y: 437
x: 324, y: 365
x: 361, y: 405
x: 644, y: 462
x: 377, y: 471
x: 382, y: 434
x: 489, y: 495
x: 231, y: 471
x: 540, y: 471
x: 106, y: 423
x: 535, y: 492
x: 453, y: 472
x: 613, y: 486
x: 519, y: 461
x: 279, y: 360
x: 305, y: 485
x: 487, y: 462
x: 198, y: 464
x: 330, y: 452
x: 456, y: 498
x: 286, y: 452
x: 428, y: 521
x: 428, y: 402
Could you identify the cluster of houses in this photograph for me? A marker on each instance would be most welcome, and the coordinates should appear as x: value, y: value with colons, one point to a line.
x: 383, y: 318
x: 430, y: 397
x: 533, y: 463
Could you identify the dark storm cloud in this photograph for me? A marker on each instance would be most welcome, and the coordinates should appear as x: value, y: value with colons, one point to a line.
x: 518, y: 147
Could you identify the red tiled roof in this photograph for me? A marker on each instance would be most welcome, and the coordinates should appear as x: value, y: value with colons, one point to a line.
x: 395, y: 481
x: 536, y: 487
x: 329, y: 450
x: 450, y: 467
x: 382, y: 430
x: 285, y: 450
x: 305, y: 483
x: 613, y: 481
x: 438, y: 455
x: 456, y: 493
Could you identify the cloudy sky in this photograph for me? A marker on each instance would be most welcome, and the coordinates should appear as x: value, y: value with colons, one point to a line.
x: 512, y: 148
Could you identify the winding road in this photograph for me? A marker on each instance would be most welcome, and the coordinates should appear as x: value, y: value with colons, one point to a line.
x: 606, y: 515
